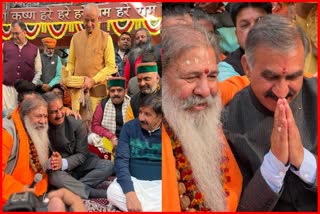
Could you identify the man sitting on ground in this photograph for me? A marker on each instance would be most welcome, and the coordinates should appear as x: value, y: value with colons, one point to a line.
x: 138, y: 161
x: 72, y: 165
x: 109, y: 116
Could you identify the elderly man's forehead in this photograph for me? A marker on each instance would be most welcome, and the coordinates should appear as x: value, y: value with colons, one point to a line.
x: 184, y: 19
x: 91, y: 11
x: 29, y: 96
x: 56, y: 104
x: 195, y: 55
x: 39, y: 109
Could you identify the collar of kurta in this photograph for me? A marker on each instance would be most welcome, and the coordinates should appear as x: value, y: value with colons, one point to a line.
x: 21, y: 46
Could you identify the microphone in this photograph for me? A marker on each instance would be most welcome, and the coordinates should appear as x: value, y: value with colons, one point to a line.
x: 36, y: 179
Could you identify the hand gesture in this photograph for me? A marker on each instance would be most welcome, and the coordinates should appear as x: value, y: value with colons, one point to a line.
x: 63, y: 86
x: 45, y: 87
x: 279, y: 135
x: 295, y: 145
x: 88, y: 83
x: 56, y: 161
x: 133, y: 203
x: 26, y: 188
x: 114, y: 141
x: 286, y: 142
x: 68, y: 112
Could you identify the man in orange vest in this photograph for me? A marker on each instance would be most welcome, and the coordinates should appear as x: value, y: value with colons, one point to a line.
x: 91, y: 62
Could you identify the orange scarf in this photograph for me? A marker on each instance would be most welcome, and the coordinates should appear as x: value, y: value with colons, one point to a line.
x: 23, y: 173
x: 170, y: 195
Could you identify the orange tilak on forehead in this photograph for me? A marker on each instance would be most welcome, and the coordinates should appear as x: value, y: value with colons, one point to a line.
x: 206, y: 71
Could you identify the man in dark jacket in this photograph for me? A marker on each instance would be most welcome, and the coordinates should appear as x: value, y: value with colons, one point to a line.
x: 51, y: 64
x: 124, y: 46
x: 244, y: 15
x: 71, y: 164
x: 272, y: 124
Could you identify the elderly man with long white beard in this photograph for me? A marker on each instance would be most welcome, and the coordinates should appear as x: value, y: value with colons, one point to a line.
x: 199, y: 171
x: 25, y: 148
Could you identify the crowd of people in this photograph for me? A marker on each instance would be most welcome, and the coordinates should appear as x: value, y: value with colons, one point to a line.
x: 221, y: 116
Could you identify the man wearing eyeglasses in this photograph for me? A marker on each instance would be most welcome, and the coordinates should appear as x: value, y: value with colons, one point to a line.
x: 20, y: 60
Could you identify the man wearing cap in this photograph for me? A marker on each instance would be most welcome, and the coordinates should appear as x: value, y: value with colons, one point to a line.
x: 91, y: 61
x: 51, y: 64
x: 109, y: 115
x: 148, y: 82
x: 20, y: 60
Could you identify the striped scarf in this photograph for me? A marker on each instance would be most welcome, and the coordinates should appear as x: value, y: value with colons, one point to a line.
x: 109, y: 114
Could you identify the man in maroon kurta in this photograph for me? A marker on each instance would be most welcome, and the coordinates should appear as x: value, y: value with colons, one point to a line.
x: 20, y: 60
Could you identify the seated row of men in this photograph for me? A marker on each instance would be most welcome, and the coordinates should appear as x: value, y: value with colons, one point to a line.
x: 87, y: 72
x: 271, y: 160
x: 56, y: 146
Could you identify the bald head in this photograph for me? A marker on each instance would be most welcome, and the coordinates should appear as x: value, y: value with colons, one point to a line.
x: 91, y: 14
x: 91, y: 8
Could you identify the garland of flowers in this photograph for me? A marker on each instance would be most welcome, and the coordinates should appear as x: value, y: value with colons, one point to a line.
x: 34, y: 158
x: 153, y: 26
x: 58, y: 30
x: 191, y: 199
x: 121, y: 26
x: 225, y: 177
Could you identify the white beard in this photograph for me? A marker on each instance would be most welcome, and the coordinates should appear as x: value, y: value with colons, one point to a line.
x: 136, y: 51
x: 201, y: 143
x: 49, y: 55
x: 40, y: 139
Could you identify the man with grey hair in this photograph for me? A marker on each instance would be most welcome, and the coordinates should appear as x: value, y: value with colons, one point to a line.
x: 25, y: 148
x: 91, y: 61
x: 199, y: 172
x: 72, y: 165
x: 142, y: 44
x: 272, y: 124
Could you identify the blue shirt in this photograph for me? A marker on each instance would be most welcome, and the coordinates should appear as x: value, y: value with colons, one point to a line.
x: 138, y: 154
